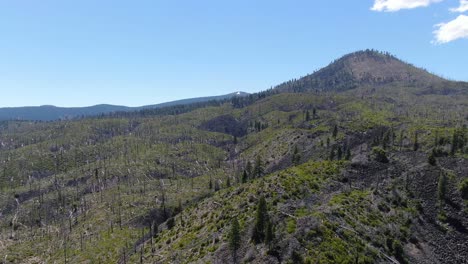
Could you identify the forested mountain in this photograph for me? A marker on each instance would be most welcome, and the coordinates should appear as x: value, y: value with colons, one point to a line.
x: 364, y: 161
x: 49, y: 112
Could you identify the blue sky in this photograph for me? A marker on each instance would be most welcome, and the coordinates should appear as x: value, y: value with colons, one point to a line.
x: 77, y: 53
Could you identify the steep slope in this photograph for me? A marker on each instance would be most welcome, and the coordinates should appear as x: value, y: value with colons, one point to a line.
x: 362, y: 68
x: 322, y: 212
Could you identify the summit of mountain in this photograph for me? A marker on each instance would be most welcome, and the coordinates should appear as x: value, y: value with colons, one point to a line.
x: 363, y: 68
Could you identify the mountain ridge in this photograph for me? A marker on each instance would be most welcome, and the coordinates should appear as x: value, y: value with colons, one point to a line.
x: 51, y: 112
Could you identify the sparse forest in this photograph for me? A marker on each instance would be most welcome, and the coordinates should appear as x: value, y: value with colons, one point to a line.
x: 341, y: 166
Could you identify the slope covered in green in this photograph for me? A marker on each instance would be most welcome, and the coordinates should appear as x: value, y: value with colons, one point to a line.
x: 376, y: 173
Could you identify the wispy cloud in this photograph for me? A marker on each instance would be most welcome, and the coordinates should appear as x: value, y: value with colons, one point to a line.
x: 462, y: 8
x: 395, y: 5
x: 453, y: 30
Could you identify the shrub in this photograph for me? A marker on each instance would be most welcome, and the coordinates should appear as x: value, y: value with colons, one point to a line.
x: 380, y: 155
x: 463, y: 187
x: 398, y: 251
x: 296, y: 258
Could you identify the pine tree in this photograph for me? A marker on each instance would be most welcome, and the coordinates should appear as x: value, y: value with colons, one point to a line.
x: 431, y: 159
x: 245, y: 177
x: 269, y: 234
x: 386, y: 140
x: 261, y: 220
x: 234, y: 238
x: 442, y: 186
x: 416, y: 143
x: 258, y: 169
x: 339, y: 153
x: 296, y: 158
x: 307, y: 115
x: 335, y: 131
x: 348, y: 154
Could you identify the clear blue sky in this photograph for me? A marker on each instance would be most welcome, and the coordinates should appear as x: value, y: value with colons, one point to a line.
x: 138, y: 52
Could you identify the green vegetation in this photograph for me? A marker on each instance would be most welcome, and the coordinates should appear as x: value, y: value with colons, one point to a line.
x: 463, y: 187
x: 261, y: 221
x: 303, y: 176
x: 234, y: 238
x: 380, y: 155
x: 442, y: 187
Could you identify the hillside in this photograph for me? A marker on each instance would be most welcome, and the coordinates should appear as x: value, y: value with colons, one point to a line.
x: 50, y: 113
x: 362, y: 68
x: 372, y: 174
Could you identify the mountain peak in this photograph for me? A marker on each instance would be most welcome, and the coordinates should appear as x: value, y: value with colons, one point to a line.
x: 362, y: 68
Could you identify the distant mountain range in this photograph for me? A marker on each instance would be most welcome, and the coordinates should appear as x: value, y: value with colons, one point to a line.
x: 368, y: 68
x: 50, y: 112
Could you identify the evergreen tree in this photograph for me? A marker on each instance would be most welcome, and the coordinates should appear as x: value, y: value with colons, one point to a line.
x: 442, y: 186
x: 431, y: 159
x: 335, y: 131
x: 339, y: 153
x: 261, y: 220
x: 234, y: 238
x: 296, y: 158
x: 416, y: 143
x: 348, y: 154
x: 245, y: 177
x: 269, y: 234
x: 216, y: 186
x: 307, y: 115
x: 386, y: 140
x: 258, y: 169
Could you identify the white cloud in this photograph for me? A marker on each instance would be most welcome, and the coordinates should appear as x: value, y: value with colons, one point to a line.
x: 395, y: 5
x: 453, y: 30
x: 462, y: 8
